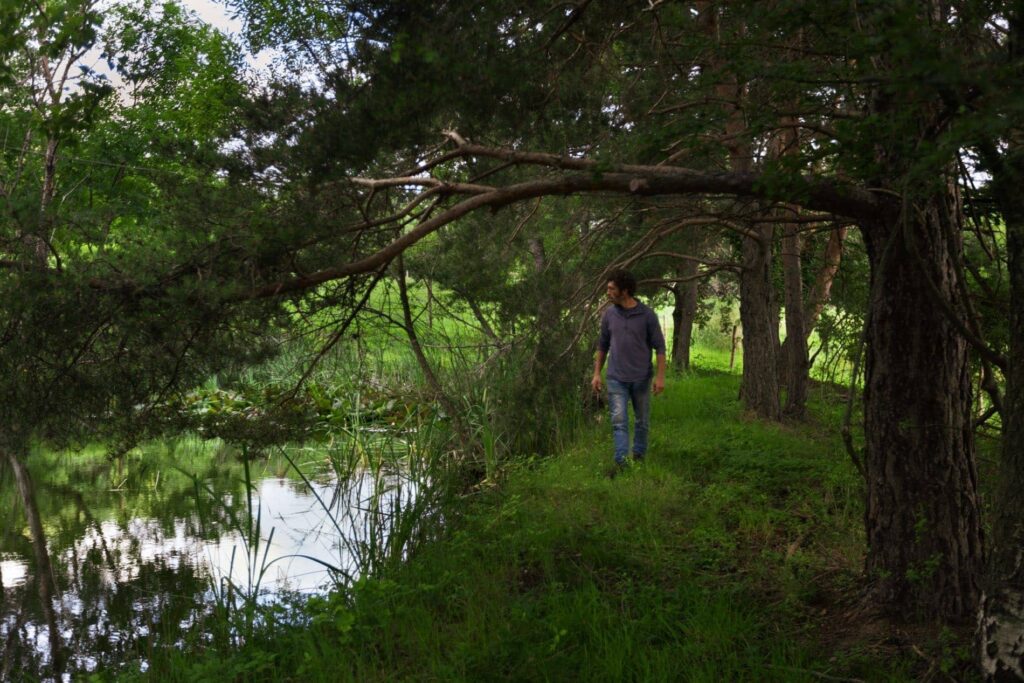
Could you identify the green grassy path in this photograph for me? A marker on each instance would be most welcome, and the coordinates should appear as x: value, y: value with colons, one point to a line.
x: 721, y: 558
x: 700, y: 564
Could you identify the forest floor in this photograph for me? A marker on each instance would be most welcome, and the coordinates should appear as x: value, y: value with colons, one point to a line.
x: 733, y: 553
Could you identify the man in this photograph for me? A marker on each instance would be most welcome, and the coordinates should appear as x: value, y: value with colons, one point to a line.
x: 629, y: 331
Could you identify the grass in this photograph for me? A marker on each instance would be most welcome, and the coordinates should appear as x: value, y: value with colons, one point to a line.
x: 733, y: 553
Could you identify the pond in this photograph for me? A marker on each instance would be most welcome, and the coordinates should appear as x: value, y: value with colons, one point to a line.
x: 145, y: 547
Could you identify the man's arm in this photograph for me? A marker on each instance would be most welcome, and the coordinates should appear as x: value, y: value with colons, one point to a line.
x: 657, y: 341
x: 659, y: 377
x: 595, y: 381
x: 604, y: 342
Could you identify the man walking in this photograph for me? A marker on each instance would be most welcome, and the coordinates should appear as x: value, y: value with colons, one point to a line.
x: 629, y: 332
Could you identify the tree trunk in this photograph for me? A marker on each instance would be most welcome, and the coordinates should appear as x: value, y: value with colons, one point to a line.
x: 822, y: 288
x: 796, y: 359
x: 683, y: 314
x: 536, y: 247
x: 794, y: 354
x: 680, y: 356
x: 759, y: 387
x: 922, y: 518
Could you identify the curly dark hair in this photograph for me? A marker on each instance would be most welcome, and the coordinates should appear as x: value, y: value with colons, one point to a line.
x: 624, y: 280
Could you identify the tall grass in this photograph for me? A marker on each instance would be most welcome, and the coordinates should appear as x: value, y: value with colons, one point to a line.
x: 236, y: 603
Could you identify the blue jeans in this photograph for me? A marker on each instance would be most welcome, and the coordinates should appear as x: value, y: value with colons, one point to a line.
x: 639, y: 394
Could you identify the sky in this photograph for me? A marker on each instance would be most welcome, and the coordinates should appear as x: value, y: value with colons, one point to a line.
x: 215, y: 14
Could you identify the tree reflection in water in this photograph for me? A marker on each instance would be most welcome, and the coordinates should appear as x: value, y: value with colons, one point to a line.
x: 134, y: 556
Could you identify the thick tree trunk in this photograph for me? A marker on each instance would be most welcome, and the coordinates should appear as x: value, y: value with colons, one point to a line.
x: 759, y: 387
x: 922, y: 518
x: 683, y: 314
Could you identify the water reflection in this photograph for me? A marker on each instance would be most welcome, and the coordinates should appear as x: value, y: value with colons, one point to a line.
x: 144, y: 549
x: 308, y: 548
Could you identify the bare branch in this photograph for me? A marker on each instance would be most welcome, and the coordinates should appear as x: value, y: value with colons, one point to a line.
x: 819, y: 194
x: 444, y: 187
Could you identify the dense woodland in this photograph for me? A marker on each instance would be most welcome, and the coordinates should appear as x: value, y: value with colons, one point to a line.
x: 849, y: 172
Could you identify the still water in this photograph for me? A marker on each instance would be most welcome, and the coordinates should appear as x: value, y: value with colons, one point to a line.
x: 144, y: 546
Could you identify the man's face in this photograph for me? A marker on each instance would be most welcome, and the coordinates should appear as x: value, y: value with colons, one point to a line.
x: 615, y: 295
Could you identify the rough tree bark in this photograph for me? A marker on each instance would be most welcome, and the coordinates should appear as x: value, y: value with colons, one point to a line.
x: 922, y: 514
x: 794, y: 352
x: 759, y: 386
x: 922, y: 517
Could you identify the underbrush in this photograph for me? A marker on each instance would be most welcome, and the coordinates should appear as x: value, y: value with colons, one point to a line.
x: 734, y: 553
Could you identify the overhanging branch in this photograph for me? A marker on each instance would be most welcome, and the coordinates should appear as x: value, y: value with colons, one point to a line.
x: 817, y: 194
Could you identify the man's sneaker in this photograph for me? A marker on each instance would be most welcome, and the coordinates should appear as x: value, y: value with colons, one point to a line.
x: 616, y: 469
x: 638, y: 457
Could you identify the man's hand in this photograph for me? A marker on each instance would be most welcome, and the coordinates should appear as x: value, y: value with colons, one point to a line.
x: 659, y: 374
x: 595, y: 382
